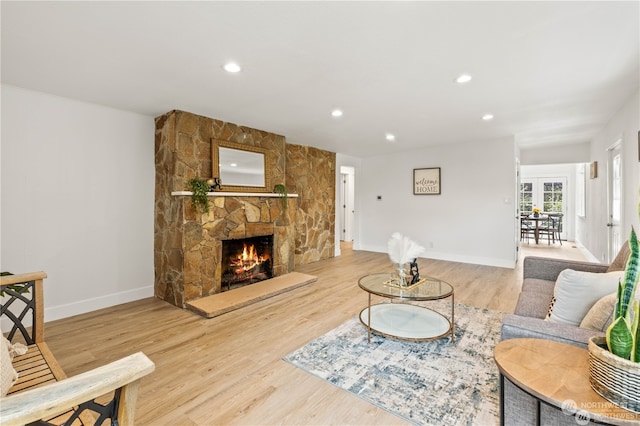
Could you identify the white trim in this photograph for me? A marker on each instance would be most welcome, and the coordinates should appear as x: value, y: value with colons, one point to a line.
x: 451, y: 257
x: 236, y: 194
x: 590, y: 257
x: 83, y: 306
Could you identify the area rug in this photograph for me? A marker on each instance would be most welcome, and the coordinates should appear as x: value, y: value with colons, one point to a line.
x: 426, y: 383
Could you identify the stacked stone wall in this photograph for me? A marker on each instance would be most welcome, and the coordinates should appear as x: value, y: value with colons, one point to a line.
x: 311, y: 174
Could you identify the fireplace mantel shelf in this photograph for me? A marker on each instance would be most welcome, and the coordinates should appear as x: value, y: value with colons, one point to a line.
x: 236, y: 194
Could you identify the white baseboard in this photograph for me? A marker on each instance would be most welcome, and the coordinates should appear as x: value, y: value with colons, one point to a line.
x: 83, y: 306
x: 590, y: 257
x: 452, y: 257
x: 76, y: 308
x: 474, y: 260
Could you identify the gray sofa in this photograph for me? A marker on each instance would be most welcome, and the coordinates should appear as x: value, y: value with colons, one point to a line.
x: 539, y: 277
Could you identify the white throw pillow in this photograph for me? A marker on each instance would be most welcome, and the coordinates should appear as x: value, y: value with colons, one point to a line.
x: 576, y: 292
x: 8, y: 374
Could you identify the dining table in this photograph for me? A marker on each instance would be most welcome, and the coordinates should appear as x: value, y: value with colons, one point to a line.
x: 537, y: 220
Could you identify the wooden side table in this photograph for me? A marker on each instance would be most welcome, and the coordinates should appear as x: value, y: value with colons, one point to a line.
x: 556, y: 374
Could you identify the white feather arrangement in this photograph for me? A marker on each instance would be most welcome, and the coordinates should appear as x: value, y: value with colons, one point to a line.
x: 402, y: 250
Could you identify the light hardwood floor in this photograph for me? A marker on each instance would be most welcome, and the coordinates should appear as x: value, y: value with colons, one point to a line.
x: 229, y: 369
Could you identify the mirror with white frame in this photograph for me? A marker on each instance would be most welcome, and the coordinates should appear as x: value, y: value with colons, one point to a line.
x: 241, y: 168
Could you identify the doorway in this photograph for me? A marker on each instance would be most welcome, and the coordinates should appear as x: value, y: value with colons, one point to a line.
x: 347, y: 203
x: 549, y: 194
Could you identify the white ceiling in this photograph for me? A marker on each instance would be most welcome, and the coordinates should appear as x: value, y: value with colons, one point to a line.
x: 550, y: 72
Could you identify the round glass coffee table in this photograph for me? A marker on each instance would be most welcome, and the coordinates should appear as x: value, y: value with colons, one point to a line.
x: 405, y: 320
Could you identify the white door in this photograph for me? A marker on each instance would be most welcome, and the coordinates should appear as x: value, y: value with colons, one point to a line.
x: 343, y: 206
x: 614, y: 202
x: 549, y: 194
x: 347, y: 200
x: 517, y: 212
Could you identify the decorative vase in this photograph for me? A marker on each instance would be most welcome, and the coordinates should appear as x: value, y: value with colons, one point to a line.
x: 402, y: 275
x: 615, y: 379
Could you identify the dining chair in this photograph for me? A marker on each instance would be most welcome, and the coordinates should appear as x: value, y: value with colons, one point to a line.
x: 527, y: 228
x: 557, y: 227
x: 552, y: 227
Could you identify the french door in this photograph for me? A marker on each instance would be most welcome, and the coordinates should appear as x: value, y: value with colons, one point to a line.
x: 549, y: 194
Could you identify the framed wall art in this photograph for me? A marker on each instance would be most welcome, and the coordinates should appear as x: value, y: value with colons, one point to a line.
x: 426, y: 181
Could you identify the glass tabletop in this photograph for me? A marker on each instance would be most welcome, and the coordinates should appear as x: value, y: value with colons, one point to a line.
x: 382, y: 284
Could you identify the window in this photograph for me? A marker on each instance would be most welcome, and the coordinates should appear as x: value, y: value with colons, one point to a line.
x: 553, y: 196
x: 526, y: 196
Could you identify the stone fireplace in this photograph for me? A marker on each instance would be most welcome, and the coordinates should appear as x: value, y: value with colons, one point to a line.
x: 188, y: 244
x: 195, y: 262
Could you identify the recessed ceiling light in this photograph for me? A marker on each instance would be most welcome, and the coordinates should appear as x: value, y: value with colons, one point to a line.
x: 336, y: 113
x: 463, y: 78
x: 487, y: 117
x: 232, y: 67
x: 390, y: 137
x: 233, y: 165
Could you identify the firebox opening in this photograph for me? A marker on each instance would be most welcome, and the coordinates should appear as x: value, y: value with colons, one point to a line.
x: 246, y: 261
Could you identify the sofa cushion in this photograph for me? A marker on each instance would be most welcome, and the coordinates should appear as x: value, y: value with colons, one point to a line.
x: 576, y: 292
x: 538, y: 285
x: 516, y: 326
x: 600, y: 316
x: 620, y: 261
x: 533, y: 304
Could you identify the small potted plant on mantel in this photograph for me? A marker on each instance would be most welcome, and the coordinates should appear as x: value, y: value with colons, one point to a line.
x: 199, y: 198
x: 614, y: 360
x: 280, y: 189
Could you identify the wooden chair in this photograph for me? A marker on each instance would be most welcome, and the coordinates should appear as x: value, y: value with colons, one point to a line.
x: 43, y: 393
x: 552, y: 228
x: 527, y: 228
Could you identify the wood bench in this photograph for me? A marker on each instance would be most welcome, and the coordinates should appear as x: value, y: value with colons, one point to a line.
x: 43, y: 391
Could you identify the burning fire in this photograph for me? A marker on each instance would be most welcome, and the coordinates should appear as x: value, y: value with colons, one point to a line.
x: 247, y: 260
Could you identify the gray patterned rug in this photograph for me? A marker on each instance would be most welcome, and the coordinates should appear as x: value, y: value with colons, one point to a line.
x: 426, y: 383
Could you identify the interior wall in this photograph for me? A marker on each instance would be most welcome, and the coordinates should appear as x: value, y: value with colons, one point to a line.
x: 472, y: 221
x: 562, y: 154
x: 592, y: 230
x: 77, y: 200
